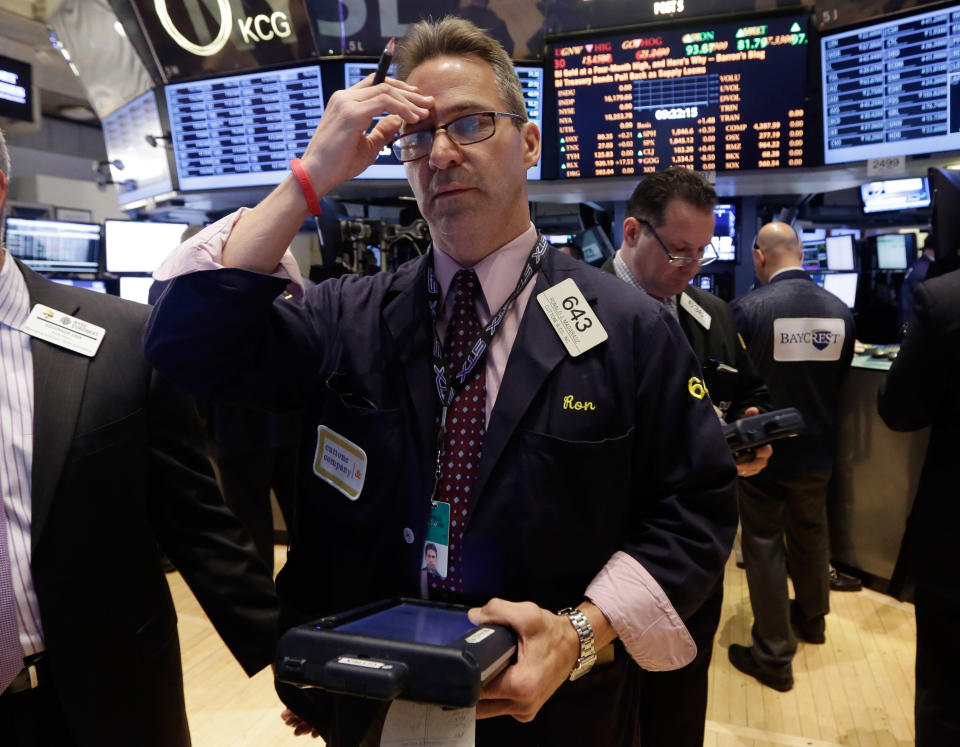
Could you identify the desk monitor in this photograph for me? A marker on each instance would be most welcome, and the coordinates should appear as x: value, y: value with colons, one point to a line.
x: 843, y: 285
x: 243, y: 130
x: 54, y: 246
x: 146, y: 170
x: 815, y: 255
x: 138, y: 246
x: 893, y: 251
x: 895, y: 194
x: 839, y: 252
x: 136, y: 288
x: 710, y: 95
x: 97, y: 286
x: 889, y: 89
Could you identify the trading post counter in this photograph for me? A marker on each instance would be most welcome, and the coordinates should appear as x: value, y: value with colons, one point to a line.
x: 875, y: 477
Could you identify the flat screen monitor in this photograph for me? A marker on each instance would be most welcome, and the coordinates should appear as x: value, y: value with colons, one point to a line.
x: 243, y: 130
x: 53, y: 245
x: 815, y: 255
x: 855, y: 232
x: 893, y: 251
x: 16, y: 89
x: 725, y: 232
x: 889, y: 88
x: 97, y: 286
x: 944, y: 226
x: 146, y: 171
x: 134, y: 288
x: 843, y: 285
x: 895, y: 194
x: 558, y: 239
x: 710, y: 95
x: 703, y: 282
x: 388, y: 167
x: 595, y: 246
x: 813, y: 234
x: 839, y: 252
x: 137, y: 246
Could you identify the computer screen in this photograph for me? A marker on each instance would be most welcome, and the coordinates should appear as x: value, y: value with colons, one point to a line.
x: 595, y: 245
x: 559, y: 238
x: 388, y: 167
x: 138, y: 246
x: 839, y: 252
x: 812, y: 234
x: 843, y: 285
x: 97, y: 286
x: 709, y: 95
x: 243, y: 130
x: 892, y: 251
x: 146, y: 171
x: 889, y: 88
x: 815, y: 255
x: 895, y: 194
x: 16, y: 89
x: 54, y: 246
x: 703, y: 282
x: 135, y: 288
x: 725, y: 232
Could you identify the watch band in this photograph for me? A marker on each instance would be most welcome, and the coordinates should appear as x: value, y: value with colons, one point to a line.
x: 588, y: 654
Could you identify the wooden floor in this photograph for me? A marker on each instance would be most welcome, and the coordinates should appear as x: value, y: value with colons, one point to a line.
x: 857, y: 689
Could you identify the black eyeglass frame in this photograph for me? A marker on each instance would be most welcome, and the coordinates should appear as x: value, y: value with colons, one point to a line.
x: 453, y: 137
x: 675, y: 261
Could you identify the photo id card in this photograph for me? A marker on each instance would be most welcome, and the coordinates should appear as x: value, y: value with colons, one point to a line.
x: 436, y: 546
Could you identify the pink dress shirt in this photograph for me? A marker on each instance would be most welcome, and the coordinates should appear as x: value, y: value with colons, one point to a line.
x: 637, y: 608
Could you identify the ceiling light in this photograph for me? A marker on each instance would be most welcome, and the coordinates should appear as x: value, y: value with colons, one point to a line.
x: 76, y: 112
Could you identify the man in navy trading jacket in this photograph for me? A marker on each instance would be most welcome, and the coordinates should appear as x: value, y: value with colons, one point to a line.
x: 666, y: 240
x: 580, y: 464
x: 801, y: 339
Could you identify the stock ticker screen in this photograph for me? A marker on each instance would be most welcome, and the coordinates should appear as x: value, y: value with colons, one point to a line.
x: 713, y: 97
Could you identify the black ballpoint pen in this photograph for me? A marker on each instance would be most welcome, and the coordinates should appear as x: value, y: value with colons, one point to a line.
x: 385, y: 59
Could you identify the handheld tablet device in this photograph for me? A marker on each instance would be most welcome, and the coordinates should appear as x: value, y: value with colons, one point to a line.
x: 746, y: 434
x: 399, y: 648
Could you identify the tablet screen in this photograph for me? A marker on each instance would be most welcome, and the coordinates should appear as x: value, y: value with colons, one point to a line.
x: 413, y: 623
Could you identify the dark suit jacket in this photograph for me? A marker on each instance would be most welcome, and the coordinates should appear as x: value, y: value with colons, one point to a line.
x: 923, y: 389
x: 812, y: 386
x: 733, y: 391
x: 117, y: 469
x: 559, y: 489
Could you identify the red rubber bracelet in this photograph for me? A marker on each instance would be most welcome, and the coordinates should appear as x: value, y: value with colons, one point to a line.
x: 306, y: 186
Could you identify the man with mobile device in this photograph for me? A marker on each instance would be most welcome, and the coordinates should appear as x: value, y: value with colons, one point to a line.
x: 474, y: 395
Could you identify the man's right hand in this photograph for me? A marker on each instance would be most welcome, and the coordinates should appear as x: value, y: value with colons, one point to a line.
x: 339, y: 149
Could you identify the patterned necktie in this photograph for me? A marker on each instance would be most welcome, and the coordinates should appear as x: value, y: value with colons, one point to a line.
x: 465, y: 424
x: 11, y: 652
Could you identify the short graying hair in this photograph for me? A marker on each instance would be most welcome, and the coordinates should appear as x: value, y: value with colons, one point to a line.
x: 4, y: 157
x: 458, y: 37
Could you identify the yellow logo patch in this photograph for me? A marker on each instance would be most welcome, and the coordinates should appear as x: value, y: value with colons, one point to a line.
x: 697, y: 388
x: 570, y: 404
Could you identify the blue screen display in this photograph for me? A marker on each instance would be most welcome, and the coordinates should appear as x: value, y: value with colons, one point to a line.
x: 413, y: 623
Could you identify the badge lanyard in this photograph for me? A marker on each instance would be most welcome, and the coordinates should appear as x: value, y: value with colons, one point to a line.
x: 447, y: 391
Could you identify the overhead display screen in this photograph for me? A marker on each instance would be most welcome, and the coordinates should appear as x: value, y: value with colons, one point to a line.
x: 243, y: 130
x: 892, y: 88
x: 16, y: 89
x: 711, y: 97
x: 145, y: 172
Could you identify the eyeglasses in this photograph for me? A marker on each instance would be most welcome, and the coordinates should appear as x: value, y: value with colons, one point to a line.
x: 707, y: 254
x: 465, y: 130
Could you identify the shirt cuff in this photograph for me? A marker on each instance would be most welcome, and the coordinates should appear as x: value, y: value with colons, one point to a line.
x: 641, y: 614
x: 205, y: 252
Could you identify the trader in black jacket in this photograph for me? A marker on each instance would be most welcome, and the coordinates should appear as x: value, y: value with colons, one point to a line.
x: 923, y: 389
x: 800, y: 338
x: 666, y: 240
x: 100, y: 462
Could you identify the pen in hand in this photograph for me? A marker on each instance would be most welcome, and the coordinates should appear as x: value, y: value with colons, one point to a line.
x: 385, y: 59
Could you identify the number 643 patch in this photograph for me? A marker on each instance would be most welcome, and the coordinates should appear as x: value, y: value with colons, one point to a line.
x: 572, y: 317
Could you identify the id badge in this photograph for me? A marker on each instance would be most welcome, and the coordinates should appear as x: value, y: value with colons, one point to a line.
x: 436, y: 547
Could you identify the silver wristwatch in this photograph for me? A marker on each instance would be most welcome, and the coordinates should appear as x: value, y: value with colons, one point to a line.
x: 588, y: 655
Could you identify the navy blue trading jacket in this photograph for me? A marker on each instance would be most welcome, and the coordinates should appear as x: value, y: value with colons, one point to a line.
x: 802, y: 362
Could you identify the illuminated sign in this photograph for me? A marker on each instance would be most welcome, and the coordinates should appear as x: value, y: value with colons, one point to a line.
x: 191, y: 38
